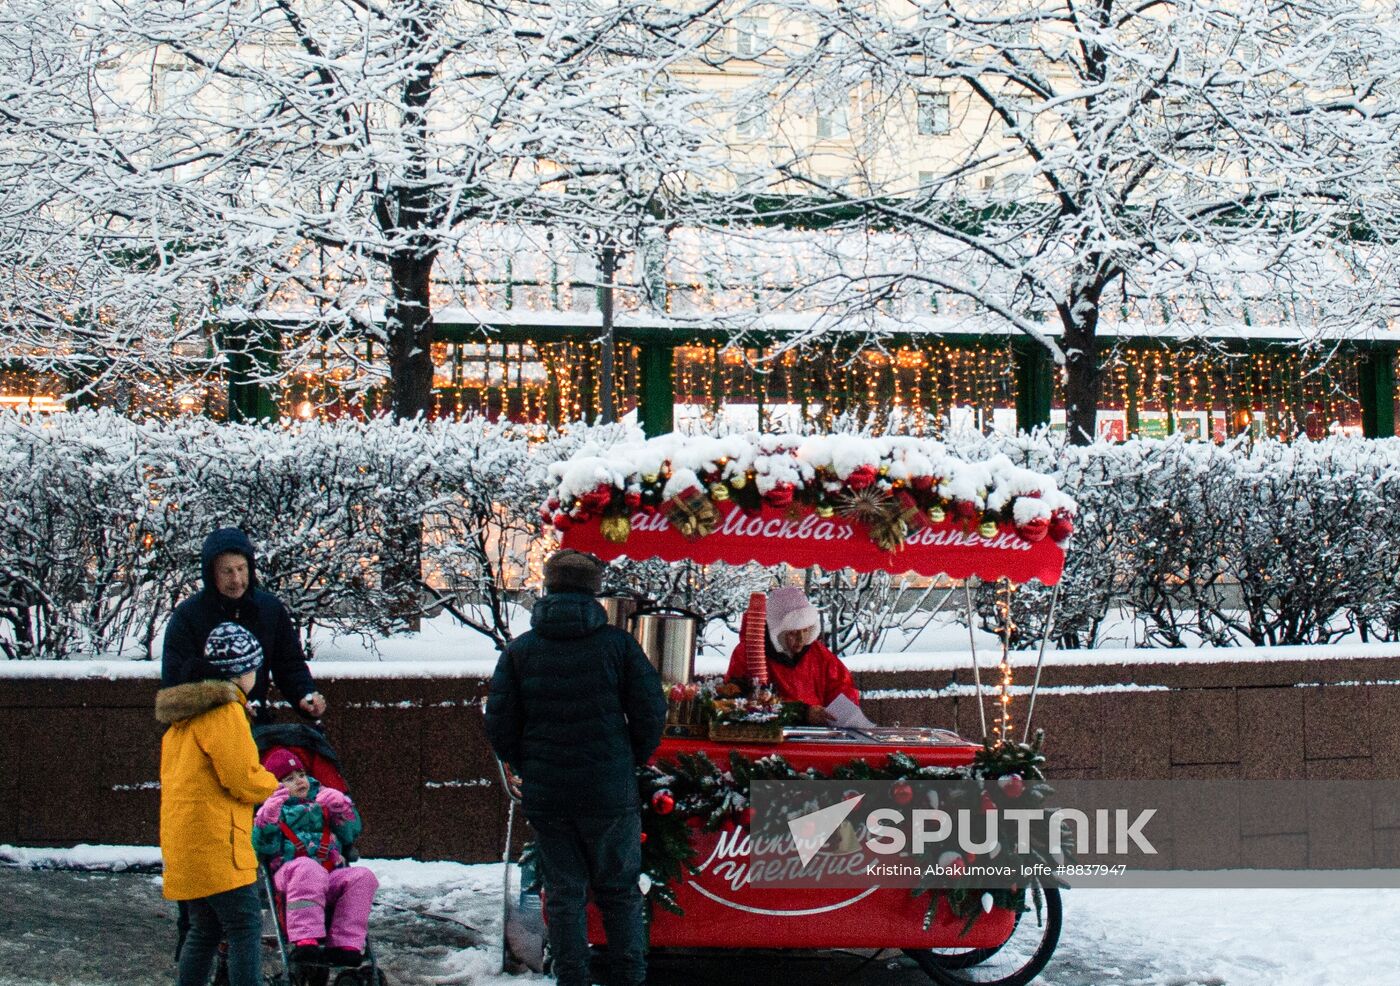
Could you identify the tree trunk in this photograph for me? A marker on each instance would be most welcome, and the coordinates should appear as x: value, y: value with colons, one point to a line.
x: 409, y: 324
x: 1082, y: 378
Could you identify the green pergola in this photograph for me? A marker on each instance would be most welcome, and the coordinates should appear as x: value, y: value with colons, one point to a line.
x: 253, y: 347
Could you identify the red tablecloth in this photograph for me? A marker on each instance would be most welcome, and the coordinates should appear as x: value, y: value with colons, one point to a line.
x: 723, y: 911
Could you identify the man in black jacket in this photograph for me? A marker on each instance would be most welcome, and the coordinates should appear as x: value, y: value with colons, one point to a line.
x: 575, y: 708
x: 231, y: 594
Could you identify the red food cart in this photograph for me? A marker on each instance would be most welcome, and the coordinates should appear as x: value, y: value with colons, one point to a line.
x: 896, y: 505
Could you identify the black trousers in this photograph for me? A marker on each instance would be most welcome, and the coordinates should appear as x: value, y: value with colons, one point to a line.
x: 602, y: 854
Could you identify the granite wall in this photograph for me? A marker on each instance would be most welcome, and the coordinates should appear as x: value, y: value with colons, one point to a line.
x: 81, y: 754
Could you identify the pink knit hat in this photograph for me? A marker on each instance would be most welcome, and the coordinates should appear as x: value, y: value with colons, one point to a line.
x: 788, y: 609
x: 282, y: 762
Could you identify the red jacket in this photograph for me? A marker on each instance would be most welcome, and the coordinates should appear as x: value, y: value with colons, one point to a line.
x: 816, y: 679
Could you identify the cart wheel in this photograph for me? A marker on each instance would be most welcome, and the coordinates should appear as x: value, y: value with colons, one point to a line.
x: 1015, y: 962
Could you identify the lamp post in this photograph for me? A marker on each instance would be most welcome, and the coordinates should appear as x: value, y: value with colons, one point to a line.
x: 607, y: 267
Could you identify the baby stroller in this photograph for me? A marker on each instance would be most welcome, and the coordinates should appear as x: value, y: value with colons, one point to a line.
x: 309, y: 745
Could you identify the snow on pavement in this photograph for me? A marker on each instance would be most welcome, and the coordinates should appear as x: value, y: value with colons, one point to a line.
x: 1178, y: 937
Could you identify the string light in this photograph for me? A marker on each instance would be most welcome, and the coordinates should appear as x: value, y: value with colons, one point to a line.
x: 1006, y: 629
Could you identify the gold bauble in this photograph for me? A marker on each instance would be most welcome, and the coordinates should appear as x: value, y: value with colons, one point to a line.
x: 825, y: 511
x: 988, y: 529
x: 719, y: 492
x: 615, y: 529
x: 739, y: 481
x: 650, y: 477
x: 936, y: 515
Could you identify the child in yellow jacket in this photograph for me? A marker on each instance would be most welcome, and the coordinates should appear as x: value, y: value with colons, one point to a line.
x: 210, y: 779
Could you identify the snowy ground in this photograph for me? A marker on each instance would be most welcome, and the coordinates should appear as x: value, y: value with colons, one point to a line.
x: 443, y: 648
x: 440, y: 923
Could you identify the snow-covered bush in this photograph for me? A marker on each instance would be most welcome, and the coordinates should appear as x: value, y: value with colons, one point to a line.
x: 1200, y: 544
x: 76, y: 534
x: 104, y: 518
x: 1187, y: 542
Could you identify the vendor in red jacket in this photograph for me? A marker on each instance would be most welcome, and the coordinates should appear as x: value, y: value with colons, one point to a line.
x: 800, y: 667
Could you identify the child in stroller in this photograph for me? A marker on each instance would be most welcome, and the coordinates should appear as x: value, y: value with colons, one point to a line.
x: 303, y: 833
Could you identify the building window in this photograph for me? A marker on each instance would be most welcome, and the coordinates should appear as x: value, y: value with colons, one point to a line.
x: 750, y: 36
x: 751, y: 123
x: 833, y: 120
x: 1014, y: 186
x: 1019, y: 109
x: 933, y: 113
x: 176, y: 86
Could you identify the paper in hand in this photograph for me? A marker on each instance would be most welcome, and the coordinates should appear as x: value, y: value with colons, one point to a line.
x: 847, y: 713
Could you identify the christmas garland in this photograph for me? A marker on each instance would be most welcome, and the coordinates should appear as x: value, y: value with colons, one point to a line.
x: 891, y: 486
x: 693, y: 793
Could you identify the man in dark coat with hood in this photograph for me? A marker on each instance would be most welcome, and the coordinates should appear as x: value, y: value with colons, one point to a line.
x: 231, y: 594
x: 575, y: 708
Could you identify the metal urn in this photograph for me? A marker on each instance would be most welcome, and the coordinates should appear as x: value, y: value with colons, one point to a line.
x: 669, y: 642
x: 620, y: 610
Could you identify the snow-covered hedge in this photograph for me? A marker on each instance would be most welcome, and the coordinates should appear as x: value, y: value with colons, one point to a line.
x: 1263, y: 542
x: 102, y: 519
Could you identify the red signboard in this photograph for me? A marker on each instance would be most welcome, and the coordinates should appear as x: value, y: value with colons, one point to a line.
x: 771, y: 536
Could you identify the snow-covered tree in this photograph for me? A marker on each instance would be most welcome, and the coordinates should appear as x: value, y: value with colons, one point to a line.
x: 102, y: 269
x: 1083, y: 160
x: 317, y: 158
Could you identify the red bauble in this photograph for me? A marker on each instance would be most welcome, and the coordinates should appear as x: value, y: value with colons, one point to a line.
x: 966, y: 511
x: 552, y: 504
x: 922, y: 483
x: 562, y: 521
x: 695, y: 822
x: 902, y: 793
x: 861, y: 477
x: 1061, y: 527
x: 1012, y: 785
x: 632, y: 499
x: 644, y: 838
x: 1034, y: 529
x: 662, y: 803
x: 597, y: 499
x: 779, y: 496
x: 987, y: 803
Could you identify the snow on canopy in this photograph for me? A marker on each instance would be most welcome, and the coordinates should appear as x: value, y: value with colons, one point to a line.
x: 802, y: 461
x: 838, y: 501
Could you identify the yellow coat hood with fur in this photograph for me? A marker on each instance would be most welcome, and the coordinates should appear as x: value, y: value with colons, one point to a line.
x: 210, y: 779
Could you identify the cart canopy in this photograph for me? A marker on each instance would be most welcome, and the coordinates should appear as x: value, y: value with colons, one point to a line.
x: 839, y: 501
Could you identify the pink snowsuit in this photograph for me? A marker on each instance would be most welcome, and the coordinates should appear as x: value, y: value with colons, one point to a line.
x: 308, y: 885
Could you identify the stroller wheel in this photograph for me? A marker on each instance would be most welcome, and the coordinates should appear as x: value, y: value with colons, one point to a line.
x: 311, y: 975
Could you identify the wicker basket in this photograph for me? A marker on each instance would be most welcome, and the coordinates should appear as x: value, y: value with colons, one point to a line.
x: 746, y: 732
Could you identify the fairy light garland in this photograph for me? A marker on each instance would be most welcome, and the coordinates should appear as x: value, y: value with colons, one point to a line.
x: 1006, y: 630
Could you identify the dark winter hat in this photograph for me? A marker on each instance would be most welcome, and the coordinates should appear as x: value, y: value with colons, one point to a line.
x: 282, y: 762
x: 221, y: 542
x: 573, y: 571
x: 231, y: 651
